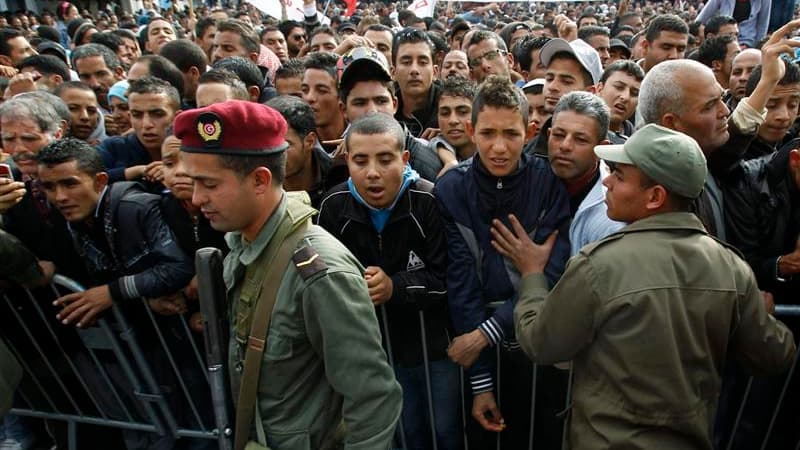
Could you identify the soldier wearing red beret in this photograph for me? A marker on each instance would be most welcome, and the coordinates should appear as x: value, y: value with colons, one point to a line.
x: 321, y: 364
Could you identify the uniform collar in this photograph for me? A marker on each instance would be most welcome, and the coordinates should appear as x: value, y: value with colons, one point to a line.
x: 667, y: 221
x: 248, y: 251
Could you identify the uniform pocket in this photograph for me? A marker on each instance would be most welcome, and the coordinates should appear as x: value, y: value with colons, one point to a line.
x: 278, y: 348
x: 289, y: 440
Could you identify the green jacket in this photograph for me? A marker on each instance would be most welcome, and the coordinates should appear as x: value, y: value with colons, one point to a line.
x: 323, y: 362
x: 648, y: 316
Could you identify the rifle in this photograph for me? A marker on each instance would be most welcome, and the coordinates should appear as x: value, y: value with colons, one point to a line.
x: 213, y: 307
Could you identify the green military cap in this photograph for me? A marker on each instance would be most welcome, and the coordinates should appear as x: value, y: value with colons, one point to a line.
x: 670, y: 158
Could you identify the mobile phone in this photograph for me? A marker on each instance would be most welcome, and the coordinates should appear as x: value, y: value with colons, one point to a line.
x: 5, y: 172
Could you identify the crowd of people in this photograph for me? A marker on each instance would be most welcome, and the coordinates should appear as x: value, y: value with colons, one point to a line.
x: 608, y: 190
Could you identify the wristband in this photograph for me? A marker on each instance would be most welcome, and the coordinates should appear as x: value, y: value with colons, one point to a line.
x: 778, y: 270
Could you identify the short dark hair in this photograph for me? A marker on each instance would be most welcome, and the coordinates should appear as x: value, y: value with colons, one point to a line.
x: 585, y: 16
x: 292, y: 68
x: 111, y: 40
x: 202, y: 25
x: 228, y: 78
x: 593, y: 30
x: 247, y: 35
x: 665, y: 22
x: 88, y: 159
x: 323, y: 29
x: 457, y: 87
x: 79, y: 85
x: 244, y: 165
x: 164, y: 69
x: 377, y: 123
x: 623, y: 65
x: 715, y: 23
x: 410, y: 36
x: 622, y: 28
x: 6, y: 34
x: 185, y: 54
x: 298, y: 114
x: 524, y: 48
x: 81, y: 31
x: 323, y: 61
x: 48, y: 33
x: 287, y: 26
x: 46, y: 65
x: 244, y: 68
x: 379, y: 27
x: 499, y: 92
x: 439, y: 42
x: 125, y: 33
x: 154, y: 85
x: 90, y: 50
x: 714, y: 49
x: 483, y: 35
x: 792, y: 76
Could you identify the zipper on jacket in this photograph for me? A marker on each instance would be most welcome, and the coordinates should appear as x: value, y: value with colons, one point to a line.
x: 499, y: 183
x: 195, y: 221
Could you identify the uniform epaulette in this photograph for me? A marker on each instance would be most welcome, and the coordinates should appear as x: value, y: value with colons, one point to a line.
x: 589, y: 248
x: 308, y: 262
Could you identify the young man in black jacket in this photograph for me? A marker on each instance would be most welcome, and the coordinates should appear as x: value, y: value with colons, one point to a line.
x: 127, y: 246
x: 386, y: 215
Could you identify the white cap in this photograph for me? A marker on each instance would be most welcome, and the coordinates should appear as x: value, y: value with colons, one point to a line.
x: 583, y: 52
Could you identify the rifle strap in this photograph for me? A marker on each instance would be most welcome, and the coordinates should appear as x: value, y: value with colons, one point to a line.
x: 257, y: 340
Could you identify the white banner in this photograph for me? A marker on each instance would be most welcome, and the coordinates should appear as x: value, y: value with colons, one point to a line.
x: 294, y: 10
x: 423, y: 8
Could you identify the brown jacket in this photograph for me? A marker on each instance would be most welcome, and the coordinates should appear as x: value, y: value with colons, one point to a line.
x: 648, y: 316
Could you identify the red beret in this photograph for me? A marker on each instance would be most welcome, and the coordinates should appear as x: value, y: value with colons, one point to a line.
x: 234, y: 127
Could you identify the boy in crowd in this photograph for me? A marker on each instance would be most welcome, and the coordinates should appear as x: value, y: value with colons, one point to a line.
x: 415, y: 72
x: 500, y: 181
x: 455, y: 109
x: 619, y: 88
x: 405, y: 272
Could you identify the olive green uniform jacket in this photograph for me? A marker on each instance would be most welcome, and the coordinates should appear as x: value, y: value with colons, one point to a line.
x: 323, y: 362
x: 648, y: 316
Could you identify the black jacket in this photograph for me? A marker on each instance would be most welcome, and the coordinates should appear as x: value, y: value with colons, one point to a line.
x: 192, y: 232
x: 421, y: 119
x: 139, y: 255
x: 762, y: 211
x: 412, y: 250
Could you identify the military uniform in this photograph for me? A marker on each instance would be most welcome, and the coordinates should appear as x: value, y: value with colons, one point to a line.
x: 323, y: 380
x: 318, y: 367
x: 649, y: 315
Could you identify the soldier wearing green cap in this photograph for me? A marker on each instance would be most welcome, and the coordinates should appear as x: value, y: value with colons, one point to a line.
x: 306, y: 362
x: 648, y: 315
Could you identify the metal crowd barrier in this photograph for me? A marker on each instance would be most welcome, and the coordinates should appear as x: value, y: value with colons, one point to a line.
x: 134, y: 371
x: 781, y: 311
x: 106, y: 376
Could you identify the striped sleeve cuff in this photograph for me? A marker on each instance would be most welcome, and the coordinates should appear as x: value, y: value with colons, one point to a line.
x: 492, y: 331
x: 481, y: 383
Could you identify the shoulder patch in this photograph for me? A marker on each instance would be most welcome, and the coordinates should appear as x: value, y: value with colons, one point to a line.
x: 308, y: 262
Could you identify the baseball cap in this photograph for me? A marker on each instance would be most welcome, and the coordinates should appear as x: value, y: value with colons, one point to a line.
x: 363, y: 63
x: 670, y: 158
x: 583, y: 52
x: 55, y: 49
x: 617, y: 43
x: 235, y: 127
x: 346, y: 26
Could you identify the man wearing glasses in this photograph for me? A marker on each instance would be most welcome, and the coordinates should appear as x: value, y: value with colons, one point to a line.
x: 488, y: 55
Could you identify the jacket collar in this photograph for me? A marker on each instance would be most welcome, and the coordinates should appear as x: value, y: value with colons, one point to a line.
x: 667, y: 221
x: 359, y: 213
x: 423, y: 115
x: 597, y: 194
x: 249, y: 251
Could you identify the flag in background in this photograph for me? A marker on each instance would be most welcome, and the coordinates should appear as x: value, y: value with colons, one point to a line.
x: 351, y: 7
x: 423, y: 8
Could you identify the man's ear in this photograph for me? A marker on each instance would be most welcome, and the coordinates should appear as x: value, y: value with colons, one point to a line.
x: 255, y: 93
x: 406, y: 156
x: 394, y: 104
x: 119, y: 73
x: 100, y: 181
x: 591, y: 89
x: 657, y: 198
x: 716, y: 66
x: 645, y: 46
x: 310, y: 140
x: 262, y: 177
x: 670, y: 121
x: 253, y: 57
